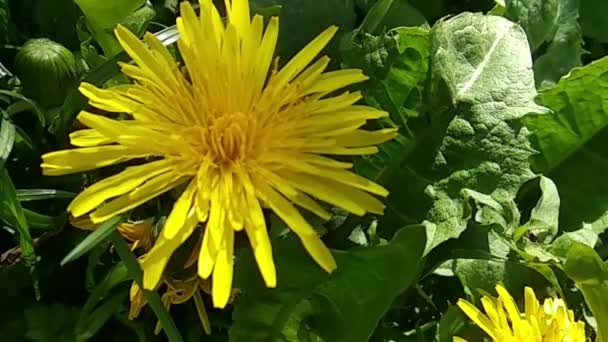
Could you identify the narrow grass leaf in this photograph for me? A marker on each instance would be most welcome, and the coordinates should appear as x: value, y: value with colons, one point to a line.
x: 24, y: 195
x: 7, y: 138
x: 152, y: 297
x: 12, y: 213
x: 94, y: 239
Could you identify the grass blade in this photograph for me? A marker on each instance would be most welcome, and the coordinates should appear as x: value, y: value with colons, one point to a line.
x: 7, y: 138
x: 24, y: 195
x: 94, y: 239
x: 43, y: 222
x: 33, y: 105
x: 12, y: 213
x: 152, y: 297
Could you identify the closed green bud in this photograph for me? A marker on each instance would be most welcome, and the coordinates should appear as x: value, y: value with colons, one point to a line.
x: 47, y: 71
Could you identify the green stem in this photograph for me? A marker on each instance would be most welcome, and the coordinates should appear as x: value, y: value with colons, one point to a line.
x: 152, y: 297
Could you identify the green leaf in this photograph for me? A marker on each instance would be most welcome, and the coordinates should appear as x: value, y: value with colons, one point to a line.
x: 551, y: 25
x: 388, y: 14
x: 33, y: 106
x: 572, y: 142
x: 137, y: 22
x: 51, y: 322
x: 302, y: 20
x: 565, y: 50
x: 22, y: 138
x: 103, y: 16
x: 543, y: 221
x: 375, y: 16
x: 98, y: 236
x: 24, y: 195
x: 397, y: 64
x: 587, y: 234
x: 590, y: 274
x: 452, y: 321
x: 537, y: 17
x: 495, y: 230
x: 7, y: 138
x: 40, y: 221
x: 117, y: 275
x: 337, y: 307
x: 96, y: 319
x: 481, y: 85
x: 593, y: 19
x: 11, y: 212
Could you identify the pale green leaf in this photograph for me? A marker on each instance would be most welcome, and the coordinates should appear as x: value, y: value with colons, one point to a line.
x: 553, y: 30
x: 482, y: 82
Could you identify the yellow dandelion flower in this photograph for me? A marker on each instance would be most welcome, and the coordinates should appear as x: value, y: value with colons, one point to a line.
x: 503, y: 322
x: 235, y: 131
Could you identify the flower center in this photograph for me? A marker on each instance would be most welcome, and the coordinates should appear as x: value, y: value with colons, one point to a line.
x: 227, y: 141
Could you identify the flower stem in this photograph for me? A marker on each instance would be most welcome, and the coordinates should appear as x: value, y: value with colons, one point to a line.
x: 152, y: 297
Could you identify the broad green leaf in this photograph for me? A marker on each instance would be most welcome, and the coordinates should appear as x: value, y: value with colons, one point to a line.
x: 137, y: 22
x: 496, y: 229
x: 587, y: 234
x: 484, y: 61
x: 388, y: 14
x: 11, y: 212
x: 103, y: 16
x: 590, y: 274
x: 397, y: 64
x: 593, y: 19
x: 50, y: 323
x: 572, y: 142
x: 537, y: 17
x: 551, y: 25
x: 452, y: 321
x: 482, y: 84
x: 302, y: 20
x: 336, y: 307
x: 565, y: 49
x: 7, y: 138
x: 99, y: 235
